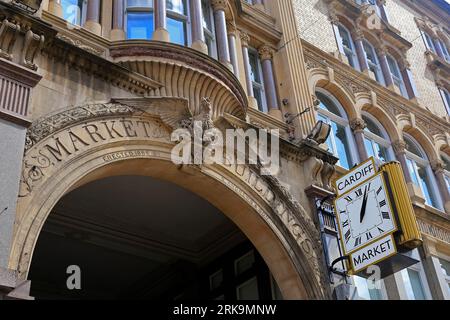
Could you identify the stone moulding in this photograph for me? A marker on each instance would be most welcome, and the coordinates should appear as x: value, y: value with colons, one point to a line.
x: 154, y: 59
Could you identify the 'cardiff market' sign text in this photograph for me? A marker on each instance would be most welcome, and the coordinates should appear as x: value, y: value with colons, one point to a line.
x: 356, y: 176
x: 374, y: 253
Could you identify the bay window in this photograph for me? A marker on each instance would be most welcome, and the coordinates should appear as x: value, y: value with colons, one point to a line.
x: 420, y: 169
x: 74, y: 11
x: 341, y: 141
x: 373, y: 62
x: 140, y: 20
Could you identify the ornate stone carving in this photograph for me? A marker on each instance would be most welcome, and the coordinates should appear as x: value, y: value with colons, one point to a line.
x: 51, y: 124
x: 32, y: 45
x: 8, y: 35
x: 245, y: 38
x: 79, y: 44
x: 399, y: 146
x: 358, y: 124
x: 266, y: 52
x: 219, y: 5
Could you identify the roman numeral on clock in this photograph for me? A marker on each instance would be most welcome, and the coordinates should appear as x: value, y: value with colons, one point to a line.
x: 345, y: 224
x: 358, y: 241
x: 380, y: 230
x: 369, y: 236
x: 347, y: 236
x: 379, y: 190
x: 359, y: 192
x: 383, y: 203
x: 349, y: 199
x: 386, y: 215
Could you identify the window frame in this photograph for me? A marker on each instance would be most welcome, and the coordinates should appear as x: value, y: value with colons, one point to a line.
x: 399, y: 82
x: 83, y: 12
x: 343, y: 121
x: 371, y: 64
x: 423, y: 162
x: 210, y: 34
x: 346, y: 50
x: 383, y: 141
x: 257, y: 85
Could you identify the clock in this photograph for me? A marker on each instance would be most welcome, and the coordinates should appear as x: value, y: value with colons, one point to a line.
x: 365, y: 214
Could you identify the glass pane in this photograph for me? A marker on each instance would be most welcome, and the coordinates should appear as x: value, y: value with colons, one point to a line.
x: 329, y: 141
x: 140, y: 25
x: 327, y: 104
x: 244, y: 263
x: 177, y: 31
x: 413, y: 285
x: 257, y: 91
x: 72, y: 11
x: 445, y: 265
x: 176, y: 6
x: 248, y: 291
x: 393, y: 66
x: 412, y: 171
x: 412, y: 147
x: 254, y: 70
x: 367, y: 291
x: 140, y: 3
x: 372, y: 127
x: 342, y: 146
x: 426, y: 186
x: 381, y: 153
x: 369, y: 148
x: 207, y: 21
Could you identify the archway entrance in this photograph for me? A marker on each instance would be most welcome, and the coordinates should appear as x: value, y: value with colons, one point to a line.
x: 139, y: 237
x: 78, y: 146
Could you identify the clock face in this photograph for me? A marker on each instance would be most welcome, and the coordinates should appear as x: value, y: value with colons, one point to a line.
x: 365, y: 214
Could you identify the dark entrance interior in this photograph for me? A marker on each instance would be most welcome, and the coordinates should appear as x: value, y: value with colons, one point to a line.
x: 136, y: 237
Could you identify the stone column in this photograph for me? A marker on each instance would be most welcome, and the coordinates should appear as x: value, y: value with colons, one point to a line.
x: 160, y: 33
x: 266, y: 56
x: 233, y: 50
x: 358, y: 125
x: 198, y: 36
x: 219, y: 7
x: 93, y: 17
x: 118, y: 32
x: 438, y: 168
x: 358, y: 40
x: 55, y: 7
x: 382, y: 56
x: 245, y: 39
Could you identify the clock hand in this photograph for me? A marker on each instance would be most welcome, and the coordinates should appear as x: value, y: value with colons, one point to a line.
x: 364, y: 206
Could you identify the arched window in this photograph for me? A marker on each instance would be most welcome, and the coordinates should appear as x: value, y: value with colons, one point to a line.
x: 420, y: 169
x: 341, y: 141
x: 429, y: 43
x: 377, y: 141
x: 397, y: 75
x: 348, y: 47
x: 445, y: 99
x: 74, y: 11
x: 373, y: 62
x: 140, y: 20
x: 446, y: 160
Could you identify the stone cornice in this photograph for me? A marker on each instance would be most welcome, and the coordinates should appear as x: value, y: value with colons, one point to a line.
x: 356, y: 83
x: 428, y: 8
x: 261, y: 25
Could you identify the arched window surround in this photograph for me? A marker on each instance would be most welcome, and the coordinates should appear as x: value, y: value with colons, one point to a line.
x: 420, y: 163
x: 343, y: 121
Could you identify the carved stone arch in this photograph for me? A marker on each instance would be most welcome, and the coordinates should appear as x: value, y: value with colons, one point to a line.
x: 341, y: 91
x: 389, y: 124
x: 424, y: 141
x: 75, y: 146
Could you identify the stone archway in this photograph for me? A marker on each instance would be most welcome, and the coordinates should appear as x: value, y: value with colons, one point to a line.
x: 75, y: 146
